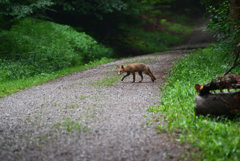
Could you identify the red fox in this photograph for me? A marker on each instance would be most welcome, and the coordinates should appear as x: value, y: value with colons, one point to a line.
x: 137, y: 67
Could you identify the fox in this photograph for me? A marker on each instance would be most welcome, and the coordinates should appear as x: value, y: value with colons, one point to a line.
x: 136, y: 67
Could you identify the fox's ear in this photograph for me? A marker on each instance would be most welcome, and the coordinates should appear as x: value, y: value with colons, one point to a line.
x: 117, y: 66
x: 122, y: 67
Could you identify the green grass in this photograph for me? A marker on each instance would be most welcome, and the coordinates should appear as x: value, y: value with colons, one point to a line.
x: 108, y: 81
x: 12, y: 86
x: 214, y: 138
x: 72, y: 106
x: 69, y: 125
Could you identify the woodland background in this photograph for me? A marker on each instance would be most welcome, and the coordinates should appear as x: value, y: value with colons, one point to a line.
x: 46, y: 36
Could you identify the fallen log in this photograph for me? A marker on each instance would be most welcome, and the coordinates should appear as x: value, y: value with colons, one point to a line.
x: 217, y: 104
x: 221, y: 82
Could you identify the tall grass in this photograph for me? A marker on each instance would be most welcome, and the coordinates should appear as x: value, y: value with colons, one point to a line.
x: 215, y: 138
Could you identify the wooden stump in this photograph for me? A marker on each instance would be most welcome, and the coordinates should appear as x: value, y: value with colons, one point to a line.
x: 217, y: 104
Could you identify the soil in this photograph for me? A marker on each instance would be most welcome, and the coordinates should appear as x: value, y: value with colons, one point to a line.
x: 80, y: 117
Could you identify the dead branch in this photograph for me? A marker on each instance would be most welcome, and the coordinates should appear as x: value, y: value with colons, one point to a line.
x: 221, y: 82
x: 235, y: 63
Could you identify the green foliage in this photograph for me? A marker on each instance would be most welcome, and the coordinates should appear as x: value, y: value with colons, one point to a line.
x: 211, y: 2
x: 24, y: 8
x: 33, y: 47
x: 216, y: 138
x: 220, y: 21
x: 97, y: 7
x: 184, y: 20
x: 147, y: 42
x: 12, y: 86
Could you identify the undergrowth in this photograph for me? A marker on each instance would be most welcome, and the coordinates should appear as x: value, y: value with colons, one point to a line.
x: 214, y: 138
x: 151, y: 41
x: 12, y: 86
x: 33, y: 47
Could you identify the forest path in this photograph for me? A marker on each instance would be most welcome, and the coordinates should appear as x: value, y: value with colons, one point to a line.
x: 90, y: 115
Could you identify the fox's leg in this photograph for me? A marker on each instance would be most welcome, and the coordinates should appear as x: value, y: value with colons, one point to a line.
x: 128, y: 73
x: 150, y: 76
x: 140, y: 73
x: 133, y: 73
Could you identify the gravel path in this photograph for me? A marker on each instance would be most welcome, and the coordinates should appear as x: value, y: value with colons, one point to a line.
x: 92, y: 115
x: 83, y: 117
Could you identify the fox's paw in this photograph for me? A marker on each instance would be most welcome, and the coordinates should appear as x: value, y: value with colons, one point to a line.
x: 140, y: 81
x: 153, y: 80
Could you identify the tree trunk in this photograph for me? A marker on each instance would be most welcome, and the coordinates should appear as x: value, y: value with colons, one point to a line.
x: 234, y: 10
x: 217, y: 104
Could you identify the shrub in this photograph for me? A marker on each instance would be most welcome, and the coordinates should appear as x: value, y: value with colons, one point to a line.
x: 34, y: 46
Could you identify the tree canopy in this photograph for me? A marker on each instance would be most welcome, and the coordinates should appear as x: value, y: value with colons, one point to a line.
x: 24, y: 8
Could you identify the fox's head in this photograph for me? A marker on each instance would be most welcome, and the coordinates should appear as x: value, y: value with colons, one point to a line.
x: 120, y: 69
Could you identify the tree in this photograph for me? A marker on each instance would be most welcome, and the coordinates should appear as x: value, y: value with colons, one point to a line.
x: 225, y: 17
x: 23, y: 8
x: 96, y: 7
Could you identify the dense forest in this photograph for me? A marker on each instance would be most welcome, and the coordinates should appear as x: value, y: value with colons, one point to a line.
x: 53, y: 35
x: 42, y: 37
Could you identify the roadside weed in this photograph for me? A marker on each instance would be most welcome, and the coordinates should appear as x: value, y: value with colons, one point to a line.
x: 83, y: 97
x: 109, y: 81
x: 70, y: 125
x: 72, y: 106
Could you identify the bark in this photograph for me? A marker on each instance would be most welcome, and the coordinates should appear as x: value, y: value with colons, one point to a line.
x: 234, y: 10
x: 217, y: 104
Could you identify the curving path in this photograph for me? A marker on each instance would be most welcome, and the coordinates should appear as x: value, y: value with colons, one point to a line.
x: 90, y: 115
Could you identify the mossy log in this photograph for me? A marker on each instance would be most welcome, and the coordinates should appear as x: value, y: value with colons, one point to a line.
x: 217, y: 104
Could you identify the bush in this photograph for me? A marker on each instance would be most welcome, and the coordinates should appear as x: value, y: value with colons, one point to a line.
x: 33, y: 47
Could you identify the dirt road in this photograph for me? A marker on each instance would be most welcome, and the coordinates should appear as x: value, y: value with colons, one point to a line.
x: 90, y: 115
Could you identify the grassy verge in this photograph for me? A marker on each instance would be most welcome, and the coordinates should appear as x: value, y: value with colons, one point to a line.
x: 10, y: 87
x: 215, y: 138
